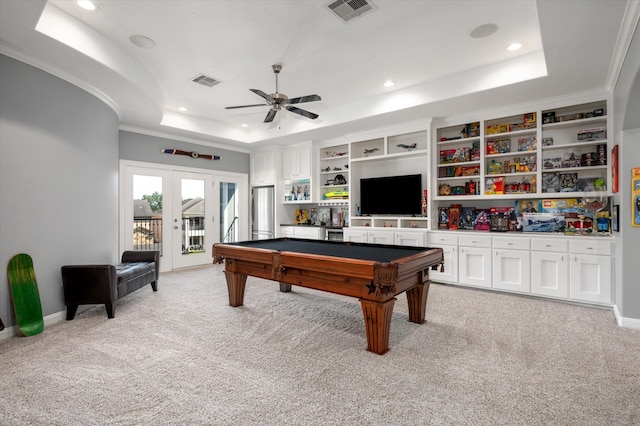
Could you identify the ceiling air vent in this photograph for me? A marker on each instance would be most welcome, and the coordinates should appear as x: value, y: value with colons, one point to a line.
x: 349, y: 9
x: 205, y: 80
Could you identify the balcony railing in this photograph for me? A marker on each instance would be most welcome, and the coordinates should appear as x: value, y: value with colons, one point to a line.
x: 147, y: 233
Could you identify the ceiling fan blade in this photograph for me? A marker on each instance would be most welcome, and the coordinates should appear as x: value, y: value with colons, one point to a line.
x: 244, y: 106
x: 270, y: 116
x: 263, y: 95
x: 302, y: 112
x: 301, y: 99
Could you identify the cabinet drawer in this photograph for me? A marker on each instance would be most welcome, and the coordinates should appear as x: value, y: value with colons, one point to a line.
x: 549, y: 244
x: 475, y: 241
x: 516, y: 243
x: 442, y: 239
x: 591, y: 247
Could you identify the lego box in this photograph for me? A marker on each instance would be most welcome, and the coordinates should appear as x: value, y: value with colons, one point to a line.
x: 543, y: 222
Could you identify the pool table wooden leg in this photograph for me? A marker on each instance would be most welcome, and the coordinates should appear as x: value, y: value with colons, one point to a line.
x: 377, y: 321
x: 417, y: 299
x: 285, y: 288
x: 235, y: 285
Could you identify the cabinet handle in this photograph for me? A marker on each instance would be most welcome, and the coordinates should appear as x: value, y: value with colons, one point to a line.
x: 589, y: 248
x: 509, y: 244
x: 547, y: 245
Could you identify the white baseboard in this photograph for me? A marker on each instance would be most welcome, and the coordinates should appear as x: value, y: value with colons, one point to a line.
x: 48, y: 320
x: 626, y: 322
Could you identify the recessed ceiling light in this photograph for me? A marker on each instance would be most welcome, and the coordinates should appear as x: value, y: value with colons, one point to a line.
x: 514, y: 46
x: 87, y: 4
x: 388, y: 83
x: 484, y: 30
x: 142, y: 41
x: 244, y: 125
x: 183, y: 109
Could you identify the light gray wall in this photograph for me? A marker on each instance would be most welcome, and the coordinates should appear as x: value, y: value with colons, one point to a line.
x: 627, y: 119
x: 58, y: 179
x: 139, y: 147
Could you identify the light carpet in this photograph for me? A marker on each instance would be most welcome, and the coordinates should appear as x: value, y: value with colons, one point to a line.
x: 183, y: 356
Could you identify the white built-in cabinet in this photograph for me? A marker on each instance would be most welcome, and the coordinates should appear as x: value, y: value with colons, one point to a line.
x: 550, y: 267
x: 573, y: 268
x: 474, y: 260
x: 302, y: 231
x: 262, y: 168
x: 467, y: 157
x: 590, y: 268
x: 296, y: 162
x: 448, y: 242
x: 369, y: 236
x: 511, y: 264
x: 408, y: 238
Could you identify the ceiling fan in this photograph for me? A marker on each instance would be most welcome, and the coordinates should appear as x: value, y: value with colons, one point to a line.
x: 278, y: 100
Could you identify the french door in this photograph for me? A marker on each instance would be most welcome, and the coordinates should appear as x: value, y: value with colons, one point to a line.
x: 180, y: 212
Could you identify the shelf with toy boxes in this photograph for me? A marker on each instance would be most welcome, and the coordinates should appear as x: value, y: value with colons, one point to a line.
x: 557, y: 215
x: 458, y: 165
x: 510, y: 155
x: 561, y: 215
x: 574, y: 147
x: 473, y: 218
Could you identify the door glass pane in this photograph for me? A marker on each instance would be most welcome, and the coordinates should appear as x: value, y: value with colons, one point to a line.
x: 147, y: 213
x: 193, y: 215
x: 228, y: 212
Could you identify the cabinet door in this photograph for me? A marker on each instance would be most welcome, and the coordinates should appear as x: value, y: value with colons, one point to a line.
x: 590, y: 278
x: 262, y: 166
x: 311, y: 233
x: 450, y: 273
x: 381, y: 237
x: 354, y: 236
x: 296, y: 163
x: 511, y: 270
x: 288, y: 164
x: 550, y: 274
x: 303, y: 161
x: 287, y: 231
x: 414, y: 239
x: 475, y: 266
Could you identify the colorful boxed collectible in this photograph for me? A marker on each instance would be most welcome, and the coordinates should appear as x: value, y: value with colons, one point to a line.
x: 499, y: 218
x: 543, y: 222
x: 454, y: 216
x: 482, y: 222
x: 494, y: 185
x: 467, y: 218
x: 443, y: 217
x: 595, y: 134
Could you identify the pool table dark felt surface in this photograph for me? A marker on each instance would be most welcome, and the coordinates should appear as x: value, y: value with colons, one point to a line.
x: 373, y: 273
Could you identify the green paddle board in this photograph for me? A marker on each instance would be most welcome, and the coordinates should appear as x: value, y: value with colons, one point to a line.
x: 24, y: 291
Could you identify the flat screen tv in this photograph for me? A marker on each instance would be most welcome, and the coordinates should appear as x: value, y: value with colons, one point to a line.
x: 391, y: 195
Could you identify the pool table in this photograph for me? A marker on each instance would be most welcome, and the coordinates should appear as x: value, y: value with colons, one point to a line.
x: 373, y: 273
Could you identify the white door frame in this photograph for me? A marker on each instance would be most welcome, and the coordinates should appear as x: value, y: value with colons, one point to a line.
x: 128, y: 168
